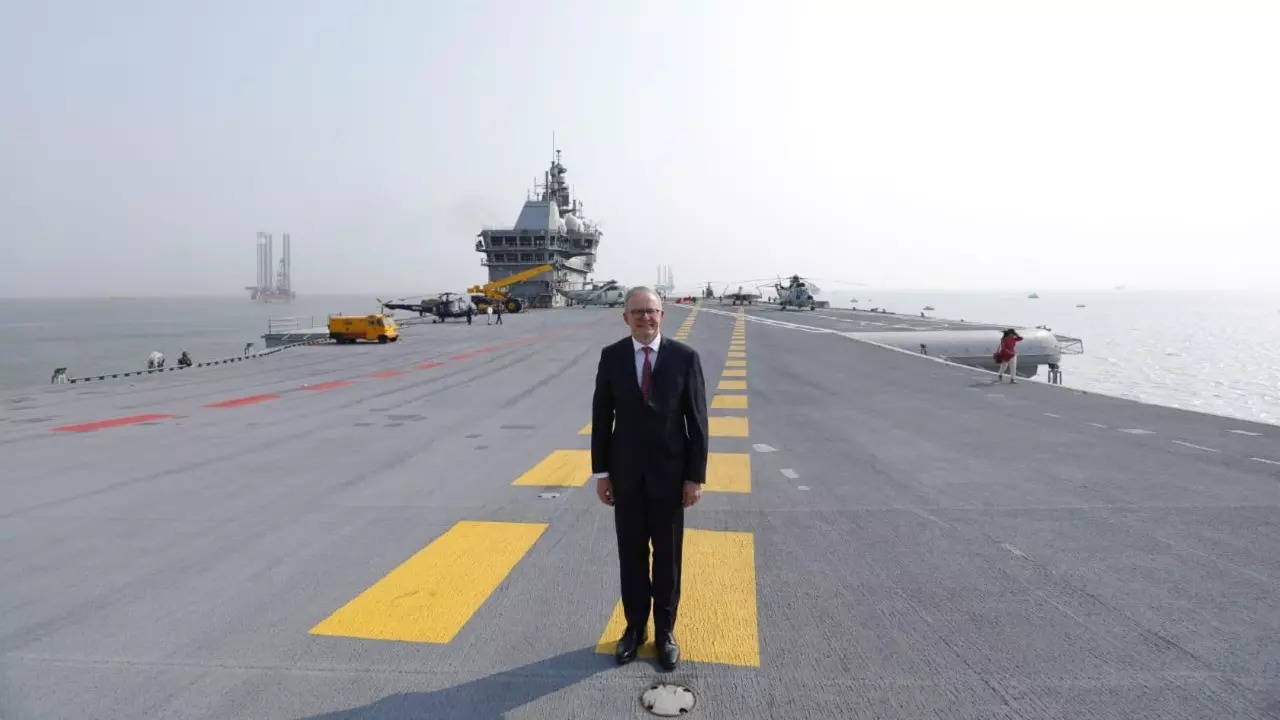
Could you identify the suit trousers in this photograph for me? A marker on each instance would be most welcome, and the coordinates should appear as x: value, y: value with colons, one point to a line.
x: 639, y: 520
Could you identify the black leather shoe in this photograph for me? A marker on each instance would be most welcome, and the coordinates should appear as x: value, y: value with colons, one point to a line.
x: 628, y: 644
x: 668, y: 652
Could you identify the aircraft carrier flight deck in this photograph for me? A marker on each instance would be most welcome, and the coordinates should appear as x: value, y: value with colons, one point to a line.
x: 406, y: 530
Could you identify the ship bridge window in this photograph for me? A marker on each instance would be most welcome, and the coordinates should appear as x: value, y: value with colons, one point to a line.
x: 526, y: 242
x: 526, y: 257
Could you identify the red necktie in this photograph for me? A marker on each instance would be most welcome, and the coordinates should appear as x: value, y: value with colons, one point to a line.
x: 646, y: 375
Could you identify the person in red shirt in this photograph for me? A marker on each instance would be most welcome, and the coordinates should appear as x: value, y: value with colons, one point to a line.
x: 1007, y: 355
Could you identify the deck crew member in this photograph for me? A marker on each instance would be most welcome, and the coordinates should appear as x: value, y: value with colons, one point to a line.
x: 649, y: 460
x: 1007, y: 355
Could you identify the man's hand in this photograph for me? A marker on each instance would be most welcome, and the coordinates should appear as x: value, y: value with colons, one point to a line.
x: 692, y: 494
x: 604, y: 490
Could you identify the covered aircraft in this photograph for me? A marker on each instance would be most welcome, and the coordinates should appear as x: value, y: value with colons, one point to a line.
x: 608, y: 293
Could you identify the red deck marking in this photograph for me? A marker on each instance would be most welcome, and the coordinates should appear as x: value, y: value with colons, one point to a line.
x: 326, y: 386
x: 251, y: 400
x: 387, y: 374
x: 464, y: 356
x: 428, y: 365
x: 495, y: 348
x: 114, y: 422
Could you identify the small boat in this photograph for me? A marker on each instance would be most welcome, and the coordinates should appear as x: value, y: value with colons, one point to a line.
x: 1033, y: 296
x: 1081, y: 305
x: 929, y: 307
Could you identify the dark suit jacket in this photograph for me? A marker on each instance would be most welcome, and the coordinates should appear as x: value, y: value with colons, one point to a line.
x: 655, y: 448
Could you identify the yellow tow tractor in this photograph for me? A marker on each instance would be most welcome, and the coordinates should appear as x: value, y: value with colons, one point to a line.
x: 350, y: 328
x: 496, y: 291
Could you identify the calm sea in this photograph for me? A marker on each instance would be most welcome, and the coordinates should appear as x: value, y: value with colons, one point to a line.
x: 97, y: 335
x: 1216, y: 352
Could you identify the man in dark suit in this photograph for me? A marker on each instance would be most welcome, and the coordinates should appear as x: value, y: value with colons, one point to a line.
x: 649, y: 459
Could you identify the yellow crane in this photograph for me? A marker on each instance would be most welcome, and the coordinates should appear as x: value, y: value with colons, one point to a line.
x: 496, y: 290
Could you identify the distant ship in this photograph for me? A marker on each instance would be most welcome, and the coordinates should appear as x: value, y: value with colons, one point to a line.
x: 1033, y: 296
x: 929, y: 307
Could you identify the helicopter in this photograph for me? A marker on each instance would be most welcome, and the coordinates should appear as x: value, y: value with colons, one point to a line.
x: 444, y: 306
x: 797, y: 293
x: 608, y: 293
x: 453, y: 305
x: 427, y: 306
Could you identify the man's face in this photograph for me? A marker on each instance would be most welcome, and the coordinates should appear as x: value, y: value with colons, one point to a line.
x: 644, y: 316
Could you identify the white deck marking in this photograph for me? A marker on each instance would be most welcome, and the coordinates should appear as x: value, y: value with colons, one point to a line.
x: 1245, y: 432
x: 1136, y: 431
x: 788, y: 472
x: 802, y: 487
x: 1053, y: 415
x: 1197, y: 447
x: 1015, y: 551
x: 1264, y: 460
x: 1100, y: 425
x: 761, y: 447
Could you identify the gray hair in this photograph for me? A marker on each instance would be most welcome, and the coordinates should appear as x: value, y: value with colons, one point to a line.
x: 638, y: 290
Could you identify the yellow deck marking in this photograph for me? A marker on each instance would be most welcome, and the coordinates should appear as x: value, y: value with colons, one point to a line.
x: 586, y: 429
x: 725, y: 426
x: 732, y: 385
x: 729, y: 402
x: 728, y: 472
x: 717, y: 622
x: 430, y: 596
x: 735, y: 372
x: 564, y: 468
x: 737, y: 354
x: 737, y: 348
x: 736, y: 363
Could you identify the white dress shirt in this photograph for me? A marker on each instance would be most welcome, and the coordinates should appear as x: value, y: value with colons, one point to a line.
x: 639, y: 358
x: 653, y: 357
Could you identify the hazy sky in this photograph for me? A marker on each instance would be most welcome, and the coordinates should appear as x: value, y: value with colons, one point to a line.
x: 143, y: 145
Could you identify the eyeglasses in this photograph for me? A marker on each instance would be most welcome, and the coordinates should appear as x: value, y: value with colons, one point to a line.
x: 641, y: 312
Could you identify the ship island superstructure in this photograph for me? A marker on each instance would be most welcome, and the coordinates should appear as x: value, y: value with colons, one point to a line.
x: 551, y: 230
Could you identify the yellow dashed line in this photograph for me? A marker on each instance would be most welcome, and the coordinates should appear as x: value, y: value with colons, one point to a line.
x: 430, y: 596
x: 735, y: 363
x: 729, y: 402
x: 562, y: 468
x: 735, y: 372
x: 728, y: 472
x: 717, y: 621
x: 732, y: 385
x: 726, y: 426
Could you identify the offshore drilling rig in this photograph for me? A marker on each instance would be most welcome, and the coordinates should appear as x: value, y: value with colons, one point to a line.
x: 272, y: 286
